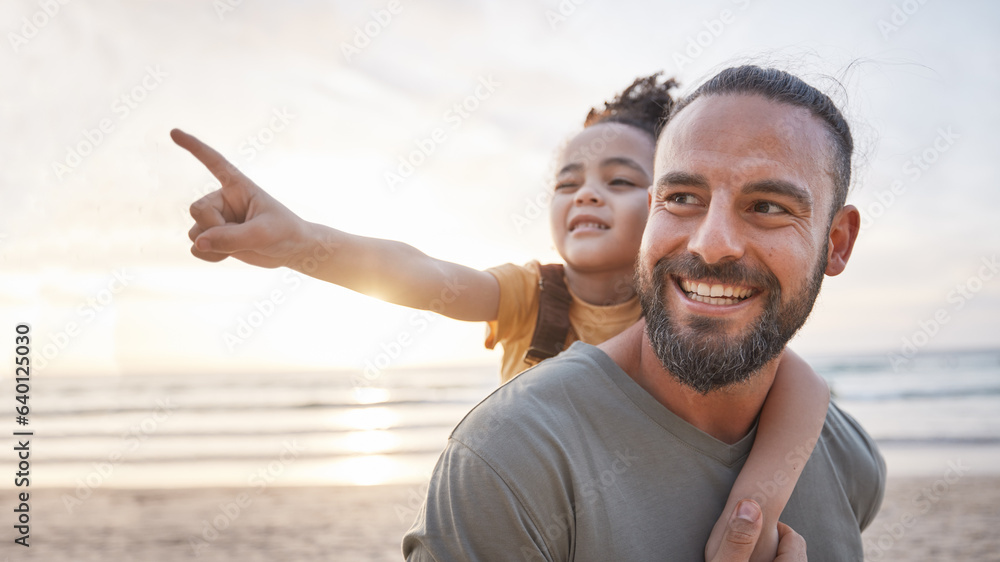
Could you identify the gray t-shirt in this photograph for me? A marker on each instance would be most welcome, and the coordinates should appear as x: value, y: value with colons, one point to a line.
x: 573, y: 460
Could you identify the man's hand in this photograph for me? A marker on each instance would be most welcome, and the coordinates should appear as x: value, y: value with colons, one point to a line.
x: 743, y: 530
x: 240, y: 219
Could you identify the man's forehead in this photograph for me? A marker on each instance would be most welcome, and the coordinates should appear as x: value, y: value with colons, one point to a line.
x: 725, y: 115
x: 747, y: 126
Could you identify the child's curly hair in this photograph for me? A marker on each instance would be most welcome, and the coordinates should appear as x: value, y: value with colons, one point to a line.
x: 645, y: 105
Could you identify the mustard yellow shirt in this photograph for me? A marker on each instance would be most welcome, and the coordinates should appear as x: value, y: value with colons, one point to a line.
x: 518, y: 312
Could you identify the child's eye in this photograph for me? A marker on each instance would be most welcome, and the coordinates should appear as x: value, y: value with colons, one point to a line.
x: 566, y: 186
x: 768, y: 208
x: 622, y: 181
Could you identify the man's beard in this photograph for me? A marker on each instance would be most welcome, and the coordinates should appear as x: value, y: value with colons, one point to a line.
x: 702, y: 356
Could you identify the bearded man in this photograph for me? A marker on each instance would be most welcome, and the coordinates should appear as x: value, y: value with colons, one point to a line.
x: 628, y: 450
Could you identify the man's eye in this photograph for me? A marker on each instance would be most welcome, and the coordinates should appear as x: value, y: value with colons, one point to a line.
x: 682, y: 199
x: 768, y: 208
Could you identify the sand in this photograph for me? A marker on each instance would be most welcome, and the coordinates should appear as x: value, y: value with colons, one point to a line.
x: 277, y: 523
x: 922, y: 519
x: 930, y: 519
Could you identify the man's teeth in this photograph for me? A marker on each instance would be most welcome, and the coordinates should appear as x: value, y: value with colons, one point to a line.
x: 590, y: 225
x: 715, y: 294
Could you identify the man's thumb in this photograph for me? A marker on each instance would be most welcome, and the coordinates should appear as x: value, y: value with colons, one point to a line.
x: 742, y: 532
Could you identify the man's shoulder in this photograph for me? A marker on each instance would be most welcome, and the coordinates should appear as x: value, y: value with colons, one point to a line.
x: 539, y: 403
x: 857, y: 460
x: 844, y: 435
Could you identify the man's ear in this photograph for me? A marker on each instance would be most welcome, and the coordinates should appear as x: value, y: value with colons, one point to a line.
x: 843, y: 233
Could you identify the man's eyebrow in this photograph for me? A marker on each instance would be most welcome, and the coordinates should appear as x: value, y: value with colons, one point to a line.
x: 682, y: 178
x: 780, y: 187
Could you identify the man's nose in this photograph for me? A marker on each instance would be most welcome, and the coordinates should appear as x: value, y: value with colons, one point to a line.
x: 717, y: 237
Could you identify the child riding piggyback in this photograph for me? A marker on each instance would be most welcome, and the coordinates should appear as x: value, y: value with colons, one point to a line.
x: 599, y: 206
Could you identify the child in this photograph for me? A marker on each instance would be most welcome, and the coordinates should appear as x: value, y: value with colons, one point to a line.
x: 598, y: 213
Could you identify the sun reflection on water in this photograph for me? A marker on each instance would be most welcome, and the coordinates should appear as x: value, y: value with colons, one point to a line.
x: 366, y: 419
x: 370, y: 395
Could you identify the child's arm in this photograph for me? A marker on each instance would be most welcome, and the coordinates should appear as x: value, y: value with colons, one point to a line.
x: 789, y: 426
x: 242, y: 220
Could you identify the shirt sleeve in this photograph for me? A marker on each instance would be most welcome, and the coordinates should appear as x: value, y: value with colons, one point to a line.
x: 864, y: 469
x: 870, y: 497
x: 471, y: 514
x: 518, y: 301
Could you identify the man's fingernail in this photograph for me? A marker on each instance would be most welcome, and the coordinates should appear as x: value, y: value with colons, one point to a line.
x: 203, y: 244
x: 748, y: 511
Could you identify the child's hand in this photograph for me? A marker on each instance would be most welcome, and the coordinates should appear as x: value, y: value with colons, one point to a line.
x: 240, y: 219
x: 791, y: 545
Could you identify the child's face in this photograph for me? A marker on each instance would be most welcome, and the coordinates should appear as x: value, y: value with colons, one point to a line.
x: 601, y: 201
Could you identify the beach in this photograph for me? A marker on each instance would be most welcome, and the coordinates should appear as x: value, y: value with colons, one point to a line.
x: 927, y: 519
x: 278, y: 523
x: 366, y: 523
x: 315, y: 466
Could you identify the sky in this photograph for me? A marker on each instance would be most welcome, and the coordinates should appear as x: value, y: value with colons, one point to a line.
x: 318, y: 101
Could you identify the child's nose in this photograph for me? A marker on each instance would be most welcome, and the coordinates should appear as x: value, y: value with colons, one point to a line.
x: 588, y: 194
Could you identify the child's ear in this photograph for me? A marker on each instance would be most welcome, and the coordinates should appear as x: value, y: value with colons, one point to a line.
x: 844, y: 231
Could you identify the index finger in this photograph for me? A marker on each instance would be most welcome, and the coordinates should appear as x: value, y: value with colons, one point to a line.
x: 215, y: 162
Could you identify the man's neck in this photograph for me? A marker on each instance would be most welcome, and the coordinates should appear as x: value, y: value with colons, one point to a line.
x: 602, y: 288
x: 727, y: 414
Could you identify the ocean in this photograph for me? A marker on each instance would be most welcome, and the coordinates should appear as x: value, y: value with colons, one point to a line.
x: 338, y: 428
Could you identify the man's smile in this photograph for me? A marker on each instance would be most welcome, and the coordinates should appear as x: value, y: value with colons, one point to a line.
x: 708, y: 292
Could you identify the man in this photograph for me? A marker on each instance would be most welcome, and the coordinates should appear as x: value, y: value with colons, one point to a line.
x: 627, y: 451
